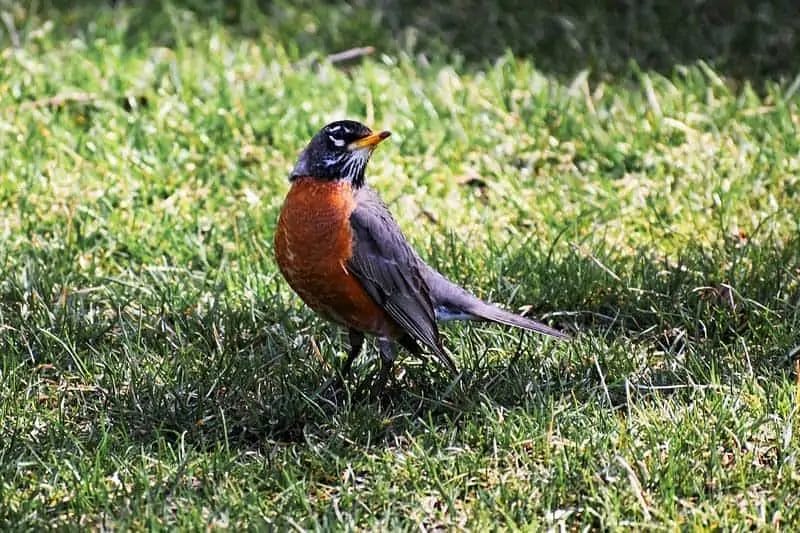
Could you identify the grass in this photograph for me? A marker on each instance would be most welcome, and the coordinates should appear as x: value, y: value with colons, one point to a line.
x: 156, y: 371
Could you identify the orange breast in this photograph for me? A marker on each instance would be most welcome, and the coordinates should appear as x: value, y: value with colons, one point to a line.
x: 313, y: 243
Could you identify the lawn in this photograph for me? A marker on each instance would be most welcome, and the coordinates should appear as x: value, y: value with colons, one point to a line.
x: 628, y: 174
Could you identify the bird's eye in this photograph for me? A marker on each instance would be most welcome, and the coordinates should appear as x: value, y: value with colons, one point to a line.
x: 339, y: 135
x: 336, y: 140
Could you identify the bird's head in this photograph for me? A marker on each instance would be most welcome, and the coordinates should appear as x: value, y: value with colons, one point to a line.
x: 339, y: 151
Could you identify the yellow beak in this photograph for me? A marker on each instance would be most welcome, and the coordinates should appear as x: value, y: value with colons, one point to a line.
x: 369, y: 141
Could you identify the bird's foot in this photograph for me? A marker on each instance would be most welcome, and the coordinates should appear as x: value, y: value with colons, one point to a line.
x: 334, y: 391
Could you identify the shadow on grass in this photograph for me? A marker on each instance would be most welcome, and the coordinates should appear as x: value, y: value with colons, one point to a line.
x: 166, y: 364
x: 743, y: 39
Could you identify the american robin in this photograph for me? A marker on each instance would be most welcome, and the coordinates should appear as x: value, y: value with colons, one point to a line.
x: 342, y: 252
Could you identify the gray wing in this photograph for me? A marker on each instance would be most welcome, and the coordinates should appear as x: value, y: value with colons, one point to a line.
x: 392, y: 273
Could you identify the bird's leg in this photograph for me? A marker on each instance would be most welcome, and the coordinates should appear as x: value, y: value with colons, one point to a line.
x: 336, y: 382
x: 356, y: 343
x: 388, y: 354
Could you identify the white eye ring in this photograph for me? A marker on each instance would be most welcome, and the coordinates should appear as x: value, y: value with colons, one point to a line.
x: 336, y: 141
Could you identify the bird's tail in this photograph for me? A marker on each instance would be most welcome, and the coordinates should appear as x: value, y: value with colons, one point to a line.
x: 454, y: 303
x: 482, y: 310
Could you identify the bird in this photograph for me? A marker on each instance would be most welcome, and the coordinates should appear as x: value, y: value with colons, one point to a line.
x: 341, y: 250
